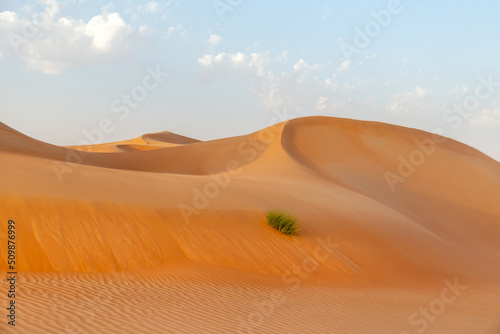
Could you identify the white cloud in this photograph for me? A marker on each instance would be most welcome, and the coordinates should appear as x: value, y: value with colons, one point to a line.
x: 282, y: 58
x: 302, y: 66
x: 175, y: 30
x: 346, y: 64
x: 303, y: 89
x: 171, y: 30
x: 52, y: 8
x: 331, y: 83
x: 104, y: 30
x: 52, y: 43
x: 486, y: 118
x: 151, y: 7
x: 107, y: 8
x: 298, y: 89
x: 8, y: 17
x: 238, y: 64
x: 355, y: 84
x: 213, y: 40
x: 419, y: 92
x: 145, y: 30
x: 408, y: 102
x: 321, y: 104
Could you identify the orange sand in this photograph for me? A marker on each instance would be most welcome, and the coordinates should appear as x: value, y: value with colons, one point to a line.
x: 166, y: 234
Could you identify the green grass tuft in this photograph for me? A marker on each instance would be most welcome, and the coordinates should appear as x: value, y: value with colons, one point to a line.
x: 282, y: 221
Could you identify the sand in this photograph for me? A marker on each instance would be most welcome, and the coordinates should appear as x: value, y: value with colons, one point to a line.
x: 167, y: 234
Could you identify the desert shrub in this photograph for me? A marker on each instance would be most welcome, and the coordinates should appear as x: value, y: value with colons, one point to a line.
x: 282, y: 221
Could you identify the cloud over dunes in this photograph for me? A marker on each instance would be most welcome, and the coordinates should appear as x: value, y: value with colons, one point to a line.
x: 295, y: 88
x: 49, y: 43
x: 406, y: 102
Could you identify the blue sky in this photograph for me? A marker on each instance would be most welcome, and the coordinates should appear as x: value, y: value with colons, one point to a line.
x: 66, y: 65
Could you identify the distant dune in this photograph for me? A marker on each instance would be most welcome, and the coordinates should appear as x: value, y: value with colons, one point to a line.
x: 172, y: 229
x: 146, y: 142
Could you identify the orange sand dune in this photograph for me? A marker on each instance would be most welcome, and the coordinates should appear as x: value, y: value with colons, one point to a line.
x: 146, y: 142
x: 194, y: 158
x: 390, y: 217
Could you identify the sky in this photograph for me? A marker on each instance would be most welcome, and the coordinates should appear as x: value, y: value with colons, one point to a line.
x: 78, y: 70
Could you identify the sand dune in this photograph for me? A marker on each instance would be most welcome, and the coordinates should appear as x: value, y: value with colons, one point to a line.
x: 183, y: 221
x: 146, y: 142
